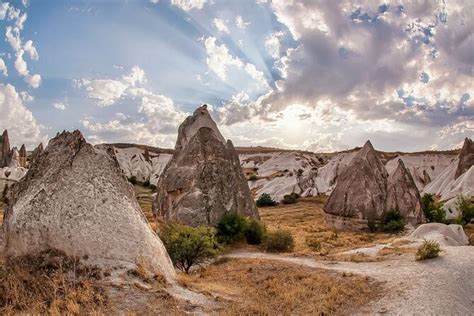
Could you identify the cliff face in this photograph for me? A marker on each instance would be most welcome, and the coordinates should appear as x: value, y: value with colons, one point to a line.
x: 466, y: 158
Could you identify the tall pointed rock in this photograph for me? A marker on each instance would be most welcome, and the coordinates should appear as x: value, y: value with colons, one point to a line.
x: 203, y: 180
x: 22, y: 156
x: 403, y: 195
x: 35, y: 154
x: 75, y: 199
x: 466, y: 157
x: 360, y: 193
x: 4, y: 149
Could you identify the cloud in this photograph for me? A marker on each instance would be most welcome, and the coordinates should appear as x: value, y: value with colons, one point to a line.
x: 272, y: 44
x: 60, y: 106
x: 220, y: 25
x: 240, y: 23
x: 108, y: 91
x: 188, y: 5
x: 14, y: 116
x: 3, y: 68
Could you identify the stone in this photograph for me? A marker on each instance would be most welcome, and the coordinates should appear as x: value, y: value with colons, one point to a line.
x: 4, y: 149
x: 360, y: 193
x: 403, y: 195
x: 466, y: 157
x: 445, y: 235
x: 203, y: 181
x: 75, y: 199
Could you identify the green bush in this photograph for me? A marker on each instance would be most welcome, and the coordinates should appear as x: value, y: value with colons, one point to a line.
x: 265, y: 200
x: 232, y: 228
x: 146, y: 184
x: 433, y: 209
x: 428, y: 250
x: 290, y: 198
x: 279, y: 241
x: 152, y: 187
x: 465, y: 208
x: 189, y: 246
x: 133, y: 180
x: 253, y: 177
x: 255, y: 232
x: 393, y: 222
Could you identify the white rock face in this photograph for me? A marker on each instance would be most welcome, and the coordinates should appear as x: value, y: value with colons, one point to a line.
x: 9, y: 175
x: 445, y: 235
x: 75, y: 199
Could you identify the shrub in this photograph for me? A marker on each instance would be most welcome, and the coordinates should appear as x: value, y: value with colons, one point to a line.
x: 279, y: 241
x: 152, y: 187
x: 189, y: 246
x: 133, y: 180
x: 253, y: 177
x: 465, y: 208
x: 392, y: 222
x: 265, y: 200
x: 433, y: 209
x: 255, y: 232
x: 372, y: 225
x: 146, y: 184
x: 290, y: 198
x: 232, y: 228
x: 429, y: 249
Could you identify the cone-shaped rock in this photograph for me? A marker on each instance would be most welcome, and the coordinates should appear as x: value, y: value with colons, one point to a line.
x: 4, y: 149
x: 203, y: 180
x: 75, y: 199
x: 403, y: 195
x: 360, y: 193
x: 22, y: 156
x: 466, y: 157
x: 35, y: 154
x: 14, y: 159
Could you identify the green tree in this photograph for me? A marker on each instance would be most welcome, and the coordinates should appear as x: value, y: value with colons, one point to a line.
x: 231, y: 228
x: 465, y: 208
x: 265, y: 200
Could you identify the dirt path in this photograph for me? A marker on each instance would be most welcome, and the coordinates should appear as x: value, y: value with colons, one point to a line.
x: 441, y: 286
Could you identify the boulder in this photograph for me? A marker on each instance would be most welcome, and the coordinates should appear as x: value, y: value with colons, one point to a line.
x: 466, y: 158
x: 445, y: 235
x: 75, y: 199
x: 203, y: 181
x: 360, y: 193
x: 403, y: 195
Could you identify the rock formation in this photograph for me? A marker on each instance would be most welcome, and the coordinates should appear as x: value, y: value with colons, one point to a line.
x: 4, y: 149
x: 203, y: 180
x: 14, y: 158
x: 75, y: 199
x: 35, y: 154
x: 361, y: 191
x: 466, y: 157
x: 403, y: 195
x: 364, y: 193
x: 22, y: 157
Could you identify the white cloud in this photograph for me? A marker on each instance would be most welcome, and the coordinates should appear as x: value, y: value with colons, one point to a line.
x: 33, y: 80
x: 272, y: 44
x: 239, y: 21
x: 12, y: 35
x: 20, y: 64
x: 3, y: 10
x: 14, y: 116
x: 220, y: 25
x: 136, y: 76
x: 187, y: 5
x: 31, y: 50
x: 60, y: 106
x: 3, y: 67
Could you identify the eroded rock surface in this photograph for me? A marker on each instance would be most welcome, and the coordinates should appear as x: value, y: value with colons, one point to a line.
x: 75, y: 199
x: 4, y: 149
x: 203, y: 180
x: 466, y: 158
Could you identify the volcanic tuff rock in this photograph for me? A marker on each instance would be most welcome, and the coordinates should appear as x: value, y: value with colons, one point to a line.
x: 4, y: 149
x: 35, y: 154
x: 75, y: 199
x: 466, y: 157
x: 403, y: 195
x: 203, y: 180
x: 361, y: 190
x: 14, y: 158
x: 22, y: 157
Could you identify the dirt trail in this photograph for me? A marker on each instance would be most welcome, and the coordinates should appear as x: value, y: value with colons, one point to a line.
x: 441, y: 286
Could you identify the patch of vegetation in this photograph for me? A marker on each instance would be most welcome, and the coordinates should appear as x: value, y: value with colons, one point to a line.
x: 232, y: 228
x: 265, y: 200
x: 189, y: 246
x: 433, y: 209
x: 393, y: 222
x: 299, y: 173
x: 313, y: 243
x: 279, y: 241
x: 253, y: 177
x: 133, y: 180
x: 290, y: 198
x: 255, y: 232
x: 152, y: 187
x: 49, y: 283
x: 465, y: 208
x: 428, y: 250
x: 146, y: 184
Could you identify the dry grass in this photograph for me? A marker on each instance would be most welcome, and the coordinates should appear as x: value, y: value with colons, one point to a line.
x: 50, y: 283
x: 267, y: 287
x: 305, y: 220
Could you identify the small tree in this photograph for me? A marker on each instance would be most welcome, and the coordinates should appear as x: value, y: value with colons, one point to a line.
x: 290, y: 198
x: 428, y: 250
x: 189, y: 246
x: 255, y: 232
x: 433, y: 209
x: 465, y: 208
x: 393, y: 222
x: 231, y: 228
x: 265, y: 200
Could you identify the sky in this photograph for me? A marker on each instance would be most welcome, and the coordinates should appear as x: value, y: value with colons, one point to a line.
x: 299, y: 74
